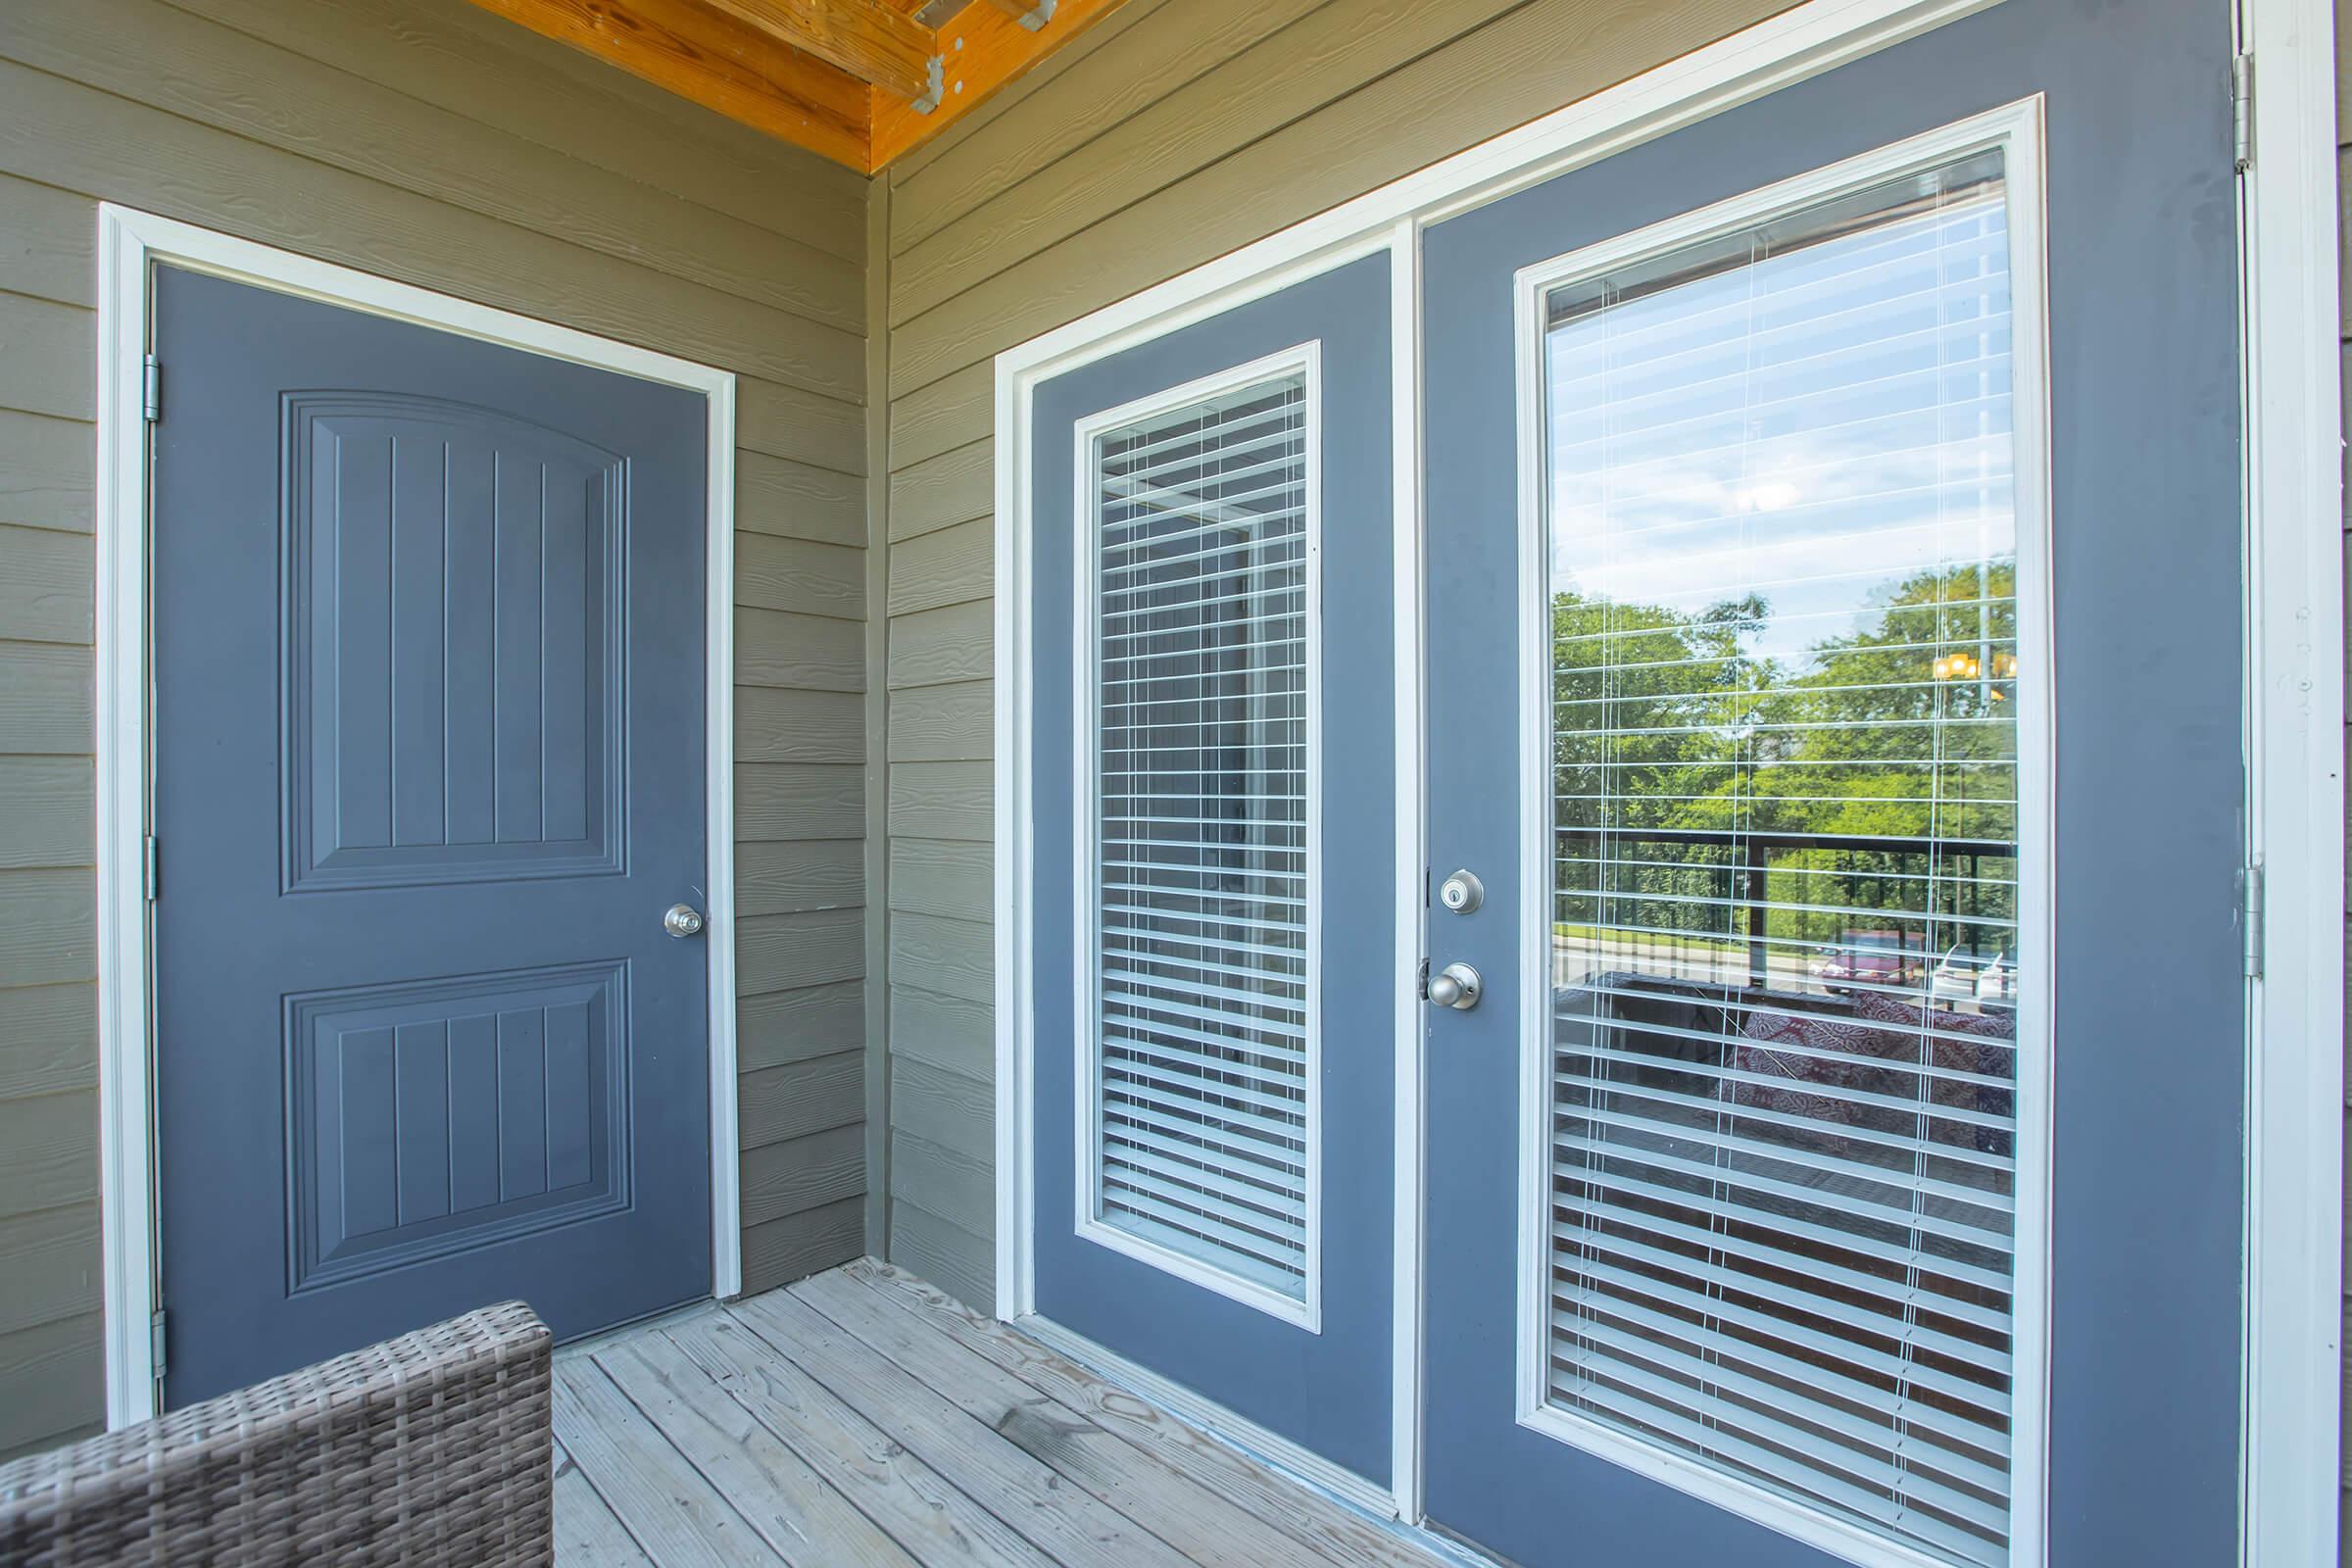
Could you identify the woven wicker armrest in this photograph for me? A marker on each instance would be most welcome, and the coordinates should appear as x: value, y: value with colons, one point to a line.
x: 432, y: 1447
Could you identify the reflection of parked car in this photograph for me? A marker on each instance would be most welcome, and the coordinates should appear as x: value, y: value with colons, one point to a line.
x: 1869, y: 959
x: 1968, y: 976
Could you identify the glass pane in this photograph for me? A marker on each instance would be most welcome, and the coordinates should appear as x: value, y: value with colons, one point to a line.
x: 1783, y: 628
x: 1202, y: 969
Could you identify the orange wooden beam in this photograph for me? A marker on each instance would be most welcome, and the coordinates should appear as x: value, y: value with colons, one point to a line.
x: 863, y: 37
x: 984, y: 49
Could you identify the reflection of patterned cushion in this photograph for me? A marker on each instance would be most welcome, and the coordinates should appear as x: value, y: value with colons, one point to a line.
x: 1855, y: 1046
x: 1956, y: 1055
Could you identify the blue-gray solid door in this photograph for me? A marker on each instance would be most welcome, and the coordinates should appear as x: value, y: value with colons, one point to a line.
x: 428, y: 769
x: 1835, y: 678
x: 1212, y: 679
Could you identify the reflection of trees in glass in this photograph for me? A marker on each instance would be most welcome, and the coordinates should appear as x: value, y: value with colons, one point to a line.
x: 1870, y: 788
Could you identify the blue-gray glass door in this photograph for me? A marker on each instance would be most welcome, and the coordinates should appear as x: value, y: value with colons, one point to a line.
x: 1212, y: 684
x: 1834, y: 676
x: 428, y: 770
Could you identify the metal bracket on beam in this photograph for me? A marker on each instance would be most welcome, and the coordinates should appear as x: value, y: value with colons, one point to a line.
x: 1030, y: 14
x: 937, y: 74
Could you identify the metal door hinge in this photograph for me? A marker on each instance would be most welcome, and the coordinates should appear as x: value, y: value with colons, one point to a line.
x: 151, y: 389
x: 2250, y: 917
x: 148, y: 868
x: 2241, y: 110
x: 155, y: 1342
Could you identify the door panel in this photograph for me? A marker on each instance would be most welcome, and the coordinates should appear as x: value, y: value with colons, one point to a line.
x: 1750, y: 1230
x: 428, y: 770
x: 1213, y: 682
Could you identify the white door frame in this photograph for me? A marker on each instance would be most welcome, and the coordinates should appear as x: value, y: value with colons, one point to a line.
x: 2295, y: 623
x: 130, y: 243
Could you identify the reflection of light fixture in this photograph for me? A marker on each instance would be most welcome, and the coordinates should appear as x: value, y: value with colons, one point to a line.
x: 1967, y: 667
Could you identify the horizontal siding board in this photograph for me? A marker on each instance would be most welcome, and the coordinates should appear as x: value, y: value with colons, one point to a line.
x: 777, y: 1027
x: 48, y: 1154
x: 786, y: 952
x: 960, y: 1188
x: 942, y: 723
x: 797, y: 726
x: 955, y: 1033
x: 1529, y: 61
x: 63, y: 133
x: 778, y: 648
x: 799, y: 500
x: 49, y: 1266
x: 481, y: 69
x: 795, y: 801
x: 803, y: 1173
x: 799, y: 575
x: 207, y: 73
x: 45, y: 697
x: 48, y: 353
x: 934, y: 647
x: 940, y: 492
x: 48, y: 243
x: 48, y: 926
x: 957, y: 1262
x: 954, y: 956
x: 54, y: 1375
x: 794, y: 878
x: 800, y: 1098
x: 952, y: 412
x: 46, y: 586
x: 790, y: 421
x: 943, y: 801
x: 952, y: 566
x: 48, y: 1039
x: 47, y: 812
x: 801, y: 1245
x: 952, y: 1109
x: 47, y: 470
x: 938, y: 876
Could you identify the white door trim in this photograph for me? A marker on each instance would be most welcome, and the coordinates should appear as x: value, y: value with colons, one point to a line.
x: 2295, y: 790
x: 129, y: 245
x: 2295, y: 638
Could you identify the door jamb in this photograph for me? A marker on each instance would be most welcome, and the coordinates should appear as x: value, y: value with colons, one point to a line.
x: 2295, y: 635
x: 130, y: 243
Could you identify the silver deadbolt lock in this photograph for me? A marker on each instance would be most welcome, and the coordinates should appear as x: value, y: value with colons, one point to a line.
x: 682, y: 920
x: 1462, y: 892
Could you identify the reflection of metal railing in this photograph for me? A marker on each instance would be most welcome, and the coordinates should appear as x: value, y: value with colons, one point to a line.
x: 1745, y: 879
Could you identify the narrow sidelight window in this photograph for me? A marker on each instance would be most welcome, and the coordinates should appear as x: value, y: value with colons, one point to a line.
x: 1778, y: 1227
x: 1197, y: 1105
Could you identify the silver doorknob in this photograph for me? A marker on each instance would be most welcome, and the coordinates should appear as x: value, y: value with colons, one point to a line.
x: 1456, y: 986
x: 682, y: 920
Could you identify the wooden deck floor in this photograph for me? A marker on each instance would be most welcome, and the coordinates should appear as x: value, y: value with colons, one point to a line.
x: 861, y: 1417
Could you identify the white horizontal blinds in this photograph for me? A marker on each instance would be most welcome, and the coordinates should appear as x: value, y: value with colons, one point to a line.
x: 1202, y: 969
x: 1784, y: 762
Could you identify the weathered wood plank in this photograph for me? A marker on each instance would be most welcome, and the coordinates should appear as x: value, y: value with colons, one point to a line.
x: 50, y: 810
x: 786, y: 952
x: 942, y: 723
x: 943, y: 801
x: 960, y: 1188
x: 47, y: 586
x: 798, y: 574
x: 797, y: 801
x: 682, y: 1520
x: 776, y: 1103
x: 588, y: 1535
x: 956, y: 1033
x: 934, y: 1520
x: 937, y: 876
x: 940, y: 492
x: 1325, y: 1529
x: 955, y: 956
x: 1141, y: 1484
x: 934, y: 647
x: 785, y: 1249
x: 48, y: 1039
x: 778, y: 648
x: 785, y: 1498
x: 946, y: 1109
x: 947, y: 568
x: 803, y: 1173
x: 797, y: 726
x: 48, y: 1152
x: 47, y: 470
x: 1076, y: 1529
x: 799, y: 500
x: 777, y: 1027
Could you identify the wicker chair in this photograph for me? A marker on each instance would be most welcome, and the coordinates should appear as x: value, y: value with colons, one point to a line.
x: 433, y: 1448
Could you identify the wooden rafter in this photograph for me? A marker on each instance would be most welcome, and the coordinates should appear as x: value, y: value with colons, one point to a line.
x: 859, y: 80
